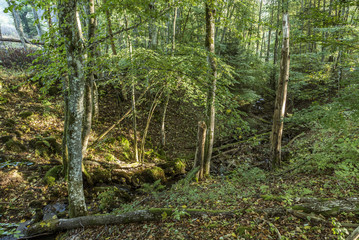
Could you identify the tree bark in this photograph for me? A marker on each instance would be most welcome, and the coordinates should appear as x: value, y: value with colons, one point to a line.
x: 17, y: 22
x: 152, y: 29
x: 109, y: 30
x: 200, y: 151
x: 37, y: 20
x: 269, y: 34
x: 281, y: 97
x: 75, y: 61
x: 211, y: 109
x: 259, y: 27
x: 139, y: 216
x: 133, y: 97
x: 89, y: 84
x: 167, y: 92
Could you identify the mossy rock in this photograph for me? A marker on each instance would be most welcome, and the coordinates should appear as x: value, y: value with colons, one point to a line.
x: 25, y: 114
x: 121, y: 177
x: 53, y: 175
x: 100, y: 175
x: 149, y: 175
x: 46, y: 146
x: 15, y: 146
x: 174, y: 167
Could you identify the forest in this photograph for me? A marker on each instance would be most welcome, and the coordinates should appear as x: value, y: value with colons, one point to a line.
x: 179, y: 119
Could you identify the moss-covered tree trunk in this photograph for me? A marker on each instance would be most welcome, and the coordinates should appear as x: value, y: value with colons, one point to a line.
x: 211, y: 99
x: 75, y: 63
x: 281, y: 97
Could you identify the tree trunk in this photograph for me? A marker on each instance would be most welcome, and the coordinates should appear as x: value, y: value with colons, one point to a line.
x: 269, y: 34
x: 109, y: 30
x: 275, y: 50
x: 259, y: 27
x: 37, y: 20
x: 17, y: 22
x: 65, y: 153
x: 139, y: 216
x: 167, y: 92
x: 75, y: 62
x: 89, y: 89
x: 150, y: 114
x: 281, y: 97
x: 211, y: 109
x: 152, y: 29
x: 200, y: 151
x: 133, y: 97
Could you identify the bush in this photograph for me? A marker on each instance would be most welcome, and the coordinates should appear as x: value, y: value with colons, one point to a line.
x: 17, y: 58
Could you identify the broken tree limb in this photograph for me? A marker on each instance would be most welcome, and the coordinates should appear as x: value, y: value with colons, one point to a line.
x: 243, y: 141
x: 94, y: 144
x: 19, y: 41
x: 153, y: 214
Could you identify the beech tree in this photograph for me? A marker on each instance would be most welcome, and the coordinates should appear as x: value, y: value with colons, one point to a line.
x: 75, y: 65
x: 211, y: 99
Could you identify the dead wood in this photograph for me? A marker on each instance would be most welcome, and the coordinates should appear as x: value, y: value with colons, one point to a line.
x: 140, y: 216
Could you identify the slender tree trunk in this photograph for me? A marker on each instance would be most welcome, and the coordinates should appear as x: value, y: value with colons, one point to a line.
x: 152, y: 29
x: 48, y: 17
x: 274, y: 72
x: 281, y: 97
x: 37, y: 20
x: 89, y: 89
x: 75, y: 62
x: 109, y: 30
x: 17, y: 22
x: 269, y: 34
x: 133, y: 97
x: 259, y: 27
x: 200, y: 150
x: 150, y: 114
x: 65, y: 153
x: 163, y: 127
x: 211, y: 110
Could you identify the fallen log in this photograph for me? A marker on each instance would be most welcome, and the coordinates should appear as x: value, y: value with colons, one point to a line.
x: 140, y: 216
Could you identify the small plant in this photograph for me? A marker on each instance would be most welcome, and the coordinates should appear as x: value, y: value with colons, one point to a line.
x: 178, y: 214
x: 153, y: 189
x: 9, y: 229
x: 338, y: 230
x: 107, y: 199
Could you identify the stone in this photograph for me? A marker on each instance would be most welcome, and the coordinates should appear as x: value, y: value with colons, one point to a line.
x: 15, y: 146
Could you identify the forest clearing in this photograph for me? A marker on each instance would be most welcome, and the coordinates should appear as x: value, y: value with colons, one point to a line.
x: 180, y: 119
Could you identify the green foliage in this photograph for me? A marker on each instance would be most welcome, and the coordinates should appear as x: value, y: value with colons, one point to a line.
x: 16, y: 58
x: 107, y: 199
x: 338, y: 230
x: 249, y: 175
x: 9, y: 229
x: 153, y: 189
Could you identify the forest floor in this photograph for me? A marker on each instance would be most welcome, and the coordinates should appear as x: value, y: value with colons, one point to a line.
x: 258, y: 197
